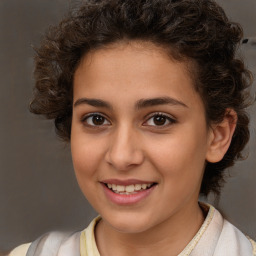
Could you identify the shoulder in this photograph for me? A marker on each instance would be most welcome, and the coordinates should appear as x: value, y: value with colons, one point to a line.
x: 65, y: 243
x: 49, y: 244
x: 231, y: 238
x: 222, y: 238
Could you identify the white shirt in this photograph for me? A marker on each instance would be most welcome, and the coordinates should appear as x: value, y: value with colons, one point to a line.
x: 216, y: 237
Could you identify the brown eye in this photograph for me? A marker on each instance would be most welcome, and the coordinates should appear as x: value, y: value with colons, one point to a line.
x: 98, y: 120
x: 159, y: 120
x: 95, y: 120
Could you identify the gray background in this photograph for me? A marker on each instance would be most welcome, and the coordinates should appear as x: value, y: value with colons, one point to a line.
x: 38, y: 191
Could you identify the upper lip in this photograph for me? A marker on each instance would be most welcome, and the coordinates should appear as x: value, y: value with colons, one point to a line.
x: 126, y: 182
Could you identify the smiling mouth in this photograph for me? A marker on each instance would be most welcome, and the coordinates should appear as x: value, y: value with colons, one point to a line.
x: 130, y: 189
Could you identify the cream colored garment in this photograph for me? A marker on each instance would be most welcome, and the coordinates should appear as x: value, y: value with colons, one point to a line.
x: 20, y: 250
x: 216, y: 237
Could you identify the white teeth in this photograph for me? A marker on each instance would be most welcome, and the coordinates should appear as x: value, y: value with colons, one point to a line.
x: 120, y: 188
x: 137, y: 186
x: 144, y: 186
x: 128, y: 189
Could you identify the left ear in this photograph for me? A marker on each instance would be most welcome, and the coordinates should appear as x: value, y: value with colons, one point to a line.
x: 220, y: 137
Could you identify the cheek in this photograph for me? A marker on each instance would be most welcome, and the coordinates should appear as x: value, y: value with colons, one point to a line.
x: 86, y: 158
x: 180, y: 159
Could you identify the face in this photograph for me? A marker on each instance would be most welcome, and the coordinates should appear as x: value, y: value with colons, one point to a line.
x: 139, y: 136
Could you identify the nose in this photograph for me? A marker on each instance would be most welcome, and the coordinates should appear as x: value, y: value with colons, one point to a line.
x: 124, y: 151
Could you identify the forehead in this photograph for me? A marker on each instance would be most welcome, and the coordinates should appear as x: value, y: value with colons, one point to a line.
x: 134, y: 69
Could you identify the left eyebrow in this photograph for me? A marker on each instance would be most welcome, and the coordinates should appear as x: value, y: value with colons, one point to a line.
x: 143, y: 103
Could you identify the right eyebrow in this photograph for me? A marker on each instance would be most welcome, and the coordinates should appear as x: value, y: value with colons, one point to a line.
x: 92, y: 102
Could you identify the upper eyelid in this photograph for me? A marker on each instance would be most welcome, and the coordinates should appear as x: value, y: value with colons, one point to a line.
x: 160, y: 113
x: 92, y: 114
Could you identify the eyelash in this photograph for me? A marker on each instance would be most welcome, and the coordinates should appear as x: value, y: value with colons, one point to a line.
x: 168, y: 119
x: 85, y: 118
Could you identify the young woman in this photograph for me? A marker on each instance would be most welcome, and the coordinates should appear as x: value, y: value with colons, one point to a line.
x: 152, y: 98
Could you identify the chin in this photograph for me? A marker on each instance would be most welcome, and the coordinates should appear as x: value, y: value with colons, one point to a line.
x: 129, y: 223
x: 127, y: 228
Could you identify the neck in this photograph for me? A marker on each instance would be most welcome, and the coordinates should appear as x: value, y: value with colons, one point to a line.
x: 167, y: 238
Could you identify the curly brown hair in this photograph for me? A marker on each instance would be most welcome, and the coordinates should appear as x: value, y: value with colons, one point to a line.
x: 196, y: 30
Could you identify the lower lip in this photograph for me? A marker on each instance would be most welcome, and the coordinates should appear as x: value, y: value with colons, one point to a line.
x: 123, y: 199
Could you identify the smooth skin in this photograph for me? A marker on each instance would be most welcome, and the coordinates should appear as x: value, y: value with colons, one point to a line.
x: 121, y: 130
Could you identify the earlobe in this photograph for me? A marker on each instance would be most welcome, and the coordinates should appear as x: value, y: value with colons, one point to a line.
x: 220, y: 137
